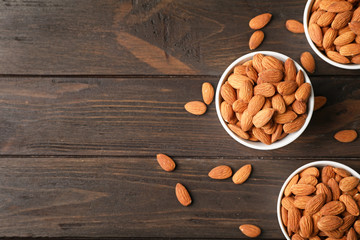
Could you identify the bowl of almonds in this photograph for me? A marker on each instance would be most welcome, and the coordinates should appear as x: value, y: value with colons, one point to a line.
x: 264, y: 100
x: 320, y: 200
x: 332, y: 28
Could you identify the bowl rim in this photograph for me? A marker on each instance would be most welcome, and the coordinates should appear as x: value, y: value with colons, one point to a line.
x: 259, y: 145
x: 315, y: 49
x: 298, y: 170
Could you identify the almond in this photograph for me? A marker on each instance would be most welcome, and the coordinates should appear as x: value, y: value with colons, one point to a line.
x: 270, y: 62
x: 263, y: 117
x: 340, y: 6
x: 237, y: 80
x: 246, y: 91
x: 284, y: 216
x: 308, y: 179
x: 289, y: 99
x: 308, y: 62
x: 350, y: 204
x: 346, y: 136
x: 335, y: 234
x: 302, y: 94
x: 332, y: 208
x: 252, y: 73
x: 348, y: 183
x: 297, y: 236
x: 262, y: 136
x: 351, y: 49
x: 287, y: 202
x: 356, y: 59
x: 260, y: 21
x: 294, y: 125
x: 271, y: 76
x: 329, y: 38
x: 338, y: 178
x: 300, y: 79
x: 302, y: 189
x: 320, y: 101
x: 257, y: 62
x: 294, y: 26
x: 240, y: 70
x: 228, y: 93
x: 322, y: 188
x: 242, y: 174
x: 292, y: 182
x: 301, y: 201
x: 312, y: 171
x: 344, y: 30
x: 306, y: 226
x: 287, y: 87
x: 348, y: 222
x: 316, y: 5
x: 239, y: 106
x: 256, y: 39
x: 337, y: 57
x: 226, y: 111
x: 324, y: 4
x: 238, y: 131
x: 299, y: 107
x: 315, y: 203
x: 265, y: 89
x: 341, y: 20
x: 255, y: 104
x: 267, y: 104
x: 220, y: 172
x: 294, y: 217
x: 325, y: 19
x: 316, y: 217
x: 207, y: 93
x: 356, y: 15
x: 286, y: 117
x: 250, y: 230
x: 326, y: 173
x: 195, y: 107
x: 246, y: 121
x: 351, y: 235
x: 315, y: 16
x: 329, y: 223
x: 290, y: 70
x: 335, y: 190
x: 182, y: 195
x: 342, y: 172
x: 165, y: 162
x: 357, y: 226
x: 272, y: 129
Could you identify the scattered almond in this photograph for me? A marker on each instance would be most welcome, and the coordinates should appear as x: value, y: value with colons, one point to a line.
x: 250, y: 230
x: 260, y: 21
x: 294, y: 26
x: 207, y: 93
x: 195, y: 107
x: 256, y: 39
x: 308, y: 61
x: 165, y: 162
x: 346, y: 136
x: 242, y: 174
x: 220, y: 172
x: 182, y: 195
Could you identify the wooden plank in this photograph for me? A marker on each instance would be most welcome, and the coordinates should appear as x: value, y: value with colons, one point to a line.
x: 144, y: 116
x: 141, y: 37
x: 133, y: 197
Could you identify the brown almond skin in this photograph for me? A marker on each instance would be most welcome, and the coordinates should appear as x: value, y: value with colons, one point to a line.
x: 263, y: 117
x: 308, y: 61
x: 256, y: 39
x: 345, y: 38
x: 270, y: 62
x: 242, y: 174
x: 337, y: 57
x: 320, y: 101
x: 293, y: 181
x: 302, y: 189
x: 346, y: 136
x: 228, y: 93
x: 302, y: 94
x: 329, y: 223
x: 286, y: 117
x: 294, y: 26
x: 351, y: 235
x: 271, y: 76
x: 312, y: 171
x: 350, y: 204
x: 260, y: 21
x: 315, y: 204
x: 261, y: 135
x: 316, y: 34
x: 165, y: 162
x: 287, y: 87
x: 335, y: 190
x: 290, y: 70
x: 265, y: 89
x: 322, y: 188
x: 329, y: 38
x: 357, y: 226
x: 284, y: 216
x: 294, y: 125
x: 182, y: 195
x: 341, y: 20
x: 238, y: 131
x: 278, y: 103
x: 300, y: 79
x: 306, y: 226
x: 256, y: 104
x: 250, y: 230
x: 220, y: 172
x: 299, y: 107
x: 332, y: 208
x: 348, y: 183
x: 195, y: 107
x: 326, y: 19
x: 226, y: 111
x: 294, y: 217
x: 207, y: 92
x: 348, y: 222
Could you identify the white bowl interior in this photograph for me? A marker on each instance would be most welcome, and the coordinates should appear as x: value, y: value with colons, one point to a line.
x: 312, y: 164
x: 307, y: 12
x: 259, y: 145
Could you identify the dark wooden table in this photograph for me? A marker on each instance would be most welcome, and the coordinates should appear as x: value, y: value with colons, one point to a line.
x: 92, y: 90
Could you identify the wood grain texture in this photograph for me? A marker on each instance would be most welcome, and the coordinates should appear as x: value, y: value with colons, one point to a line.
x: 145, y: 116
x: 141, y: 37
x: 133, y: 197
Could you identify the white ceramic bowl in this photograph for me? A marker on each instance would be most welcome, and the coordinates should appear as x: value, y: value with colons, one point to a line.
x: 259, y: 145
x: 312, y: 164
x: 307, y: 13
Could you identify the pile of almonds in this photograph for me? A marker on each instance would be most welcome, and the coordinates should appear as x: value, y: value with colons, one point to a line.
x: 265, y: 99
x: 322, y: 206
x: 334, y: 27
